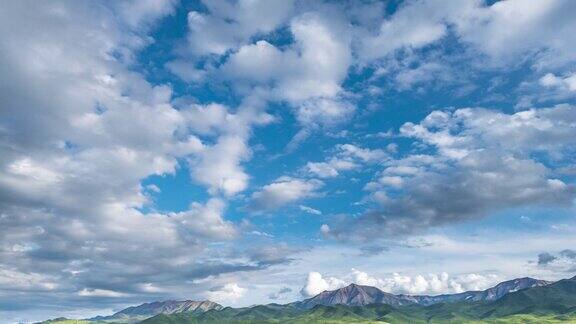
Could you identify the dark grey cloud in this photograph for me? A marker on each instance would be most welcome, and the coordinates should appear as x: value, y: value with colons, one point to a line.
x: 545, y: 258
x: 561, y: 262
x: 570, y: 254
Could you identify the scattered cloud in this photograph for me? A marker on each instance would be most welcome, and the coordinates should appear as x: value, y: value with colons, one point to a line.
x: 316, y: 283
x: 95, y: 132
x: 426, y: 284
x: 283, y: 191
x: 229, y: 293
x: 205, y: 221
x: 310, y: 210
x: 475, y: 148
x: 567, y: 82
x: 432, y: 284
x: 563, y: 261
x: 100, y: 293
x: 347, y: 157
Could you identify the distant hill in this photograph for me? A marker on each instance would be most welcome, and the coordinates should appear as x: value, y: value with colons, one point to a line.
x: 358, y: 295
x: 354, y: 295
x: 523, y: 300
x: 138, y: 313
x: 556, y: 298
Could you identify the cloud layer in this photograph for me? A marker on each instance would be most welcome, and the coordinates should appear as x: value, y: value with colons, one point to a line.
x: 162, y: 149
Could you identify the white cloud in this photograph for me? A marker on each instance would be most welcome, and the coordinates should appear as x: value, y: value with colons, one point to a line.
x: 567, y: 82
x: 310, y: 210
x: 229, y: 293
x: 425, y: 73
x: 208, y: 119
x: 322, y: 61
x: 331, y: 168
x: 139, y: 12
x: 81, y: 130
x: 86, y: 292
x: 308, y: 74
x: 325, y: 229
x: 205, y: 220
x: 324, y: 112
x: 394, y: 181
x: 432, y: 284
x: 476, y: 148
x: 228, y: 25
x: 259, y: 62
x: 429, y: 284
x: 12, y: 279
x: 414, y: 25
x: 347, y: 157
x: 543, y: 26
x: 363, y: 154
x: 283, y: 191
x: 219, y: 166
x: 316, y: 284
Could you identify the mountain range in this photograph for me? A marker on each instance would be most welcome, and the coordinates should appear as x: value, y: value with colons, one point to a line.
x: 358, y: 295
x: 522, y: 300
x: 147, y: 310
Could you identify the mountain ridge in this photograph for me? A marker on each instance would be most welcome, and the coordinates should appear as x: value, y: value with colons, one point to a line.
x: 360, y: 295
x: 147, y: 310
x: 353, y: 295
x: 549, y: 303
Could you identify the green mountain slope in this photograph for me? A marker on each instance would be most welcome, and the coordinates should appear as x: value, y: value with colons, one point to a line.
x: 554, y: 303
x: 341, y: 314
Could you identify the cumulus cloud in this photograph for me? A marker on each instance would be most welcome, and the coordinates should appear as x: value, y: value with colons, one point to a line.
x: 229, y: 293
x: 567, y: 83
x: 414, y: 25
x: 205, y: 220
x: 316, y: 283
x: 540, y: 28
x: 227, y: 25
x: 533, y: 29
x: 347, y: 157
x: 476, y: 148
x: 81, y: 129
x: 283, y: 191
x: 312, y: 69
x: 219, y: 166
x: 324, y: 112
x: 308, y: 74
x: 330, y: 168
x: 431, y: 284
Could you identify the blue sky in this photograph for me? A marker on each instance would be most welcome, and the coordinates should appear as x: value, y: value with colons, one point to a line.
x: 264, y: 151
